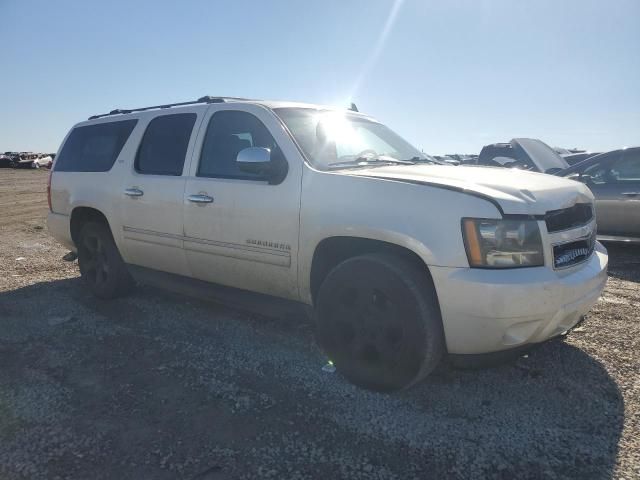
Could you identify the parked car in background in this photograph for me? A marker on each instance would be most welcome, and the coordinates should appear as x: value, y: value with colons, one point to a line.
x: 45, y: 161
x: 5, y: 160
x: 614, y: 179
x: 524, y: 154
x: 32, y: 160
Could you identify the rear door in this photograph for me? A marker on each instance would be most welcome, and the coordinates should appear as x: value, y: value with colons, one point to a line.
x: 152, y: 192
x: 240, y: 230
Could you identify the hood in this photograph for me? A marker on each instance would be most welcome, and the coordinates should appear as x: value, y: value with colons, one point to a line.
x: 514, y: 192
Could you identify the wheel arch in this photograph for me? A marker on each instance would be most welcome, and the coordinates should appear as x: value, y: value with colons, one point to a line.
x: 81, y: 215
x: 333, y: 250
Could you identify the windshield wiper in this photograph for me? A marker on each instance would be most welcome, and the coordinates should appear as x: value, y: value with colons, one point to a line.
x: 368, y: 161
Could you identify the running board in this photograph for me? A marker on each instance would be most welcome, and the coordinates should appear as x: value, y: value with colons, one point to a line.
x: 257, y: 303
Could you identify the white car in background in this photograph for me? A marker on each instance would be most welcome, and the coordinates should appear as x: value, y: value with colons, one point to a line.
x: 32, y: 160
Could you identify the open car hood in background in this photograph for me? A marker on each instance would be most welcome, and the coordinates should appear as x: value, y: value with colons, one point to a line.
x: 541, y: 154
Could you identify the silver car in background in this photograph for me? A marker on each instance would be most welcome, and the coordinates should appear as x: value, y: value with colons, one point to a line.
x: 614, y: 179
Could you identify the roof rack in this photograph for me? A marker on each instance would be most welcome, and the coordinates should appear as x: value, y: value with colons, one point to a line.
x: 205, y: 99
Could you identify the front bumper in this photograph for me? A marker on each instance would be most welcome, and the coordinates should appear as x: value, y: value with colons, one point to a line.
x: 492, y: 310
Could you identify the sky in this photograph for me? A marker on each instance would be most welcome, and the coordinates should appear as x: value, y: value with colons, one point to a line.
x: 448, y: 75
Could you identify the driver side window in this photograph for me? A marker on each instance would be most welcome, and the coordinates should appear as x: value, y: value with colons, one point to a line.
x: 600, y: 173
x: 229, y: 132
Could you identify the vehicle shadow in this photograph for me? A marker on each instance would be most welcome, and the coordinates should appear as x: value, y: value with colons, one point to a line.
x: 624, y: 261
x: 156, y: 376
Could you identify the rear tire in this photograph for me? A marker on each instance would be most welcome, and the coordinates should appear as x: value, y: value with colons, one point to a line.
x: 101, y: 265
x: 378, y: 320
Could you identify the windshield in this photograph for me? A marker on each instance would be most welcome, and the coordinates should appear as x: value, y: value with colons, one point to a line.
x: 333, y: 139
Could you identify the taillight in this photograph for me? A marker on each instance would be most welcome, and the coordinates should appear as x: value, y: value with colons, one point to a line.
x: 49, y: 190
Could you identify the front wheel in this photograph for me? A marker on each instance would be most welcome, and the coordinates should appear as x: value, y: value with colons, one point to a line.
x: 378, y: 320
x: 101, y: 265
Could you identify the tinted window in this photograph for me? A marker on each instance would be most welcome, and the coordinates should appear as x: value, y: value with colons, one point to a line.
x: 600, y: 172
x: 94, y: 148
x: 164, y: 145
x: 229, y: 132
x: 628, y: 169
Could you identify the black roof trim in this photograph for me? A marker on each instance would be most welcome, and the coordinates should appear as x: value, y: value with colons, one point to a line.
x: 205, y: 99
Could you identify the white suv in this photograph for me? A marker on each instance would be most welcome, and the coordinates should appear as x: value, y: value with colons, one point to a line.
x: 402, y: 258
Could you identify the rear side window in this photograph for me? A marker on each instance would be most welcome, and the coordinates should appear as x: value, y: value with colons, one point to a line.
x: 94, y: 148
x: 164, y: 145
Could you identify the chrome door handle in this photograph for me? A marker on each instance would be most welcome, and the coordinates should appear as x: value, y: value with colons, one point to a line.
x: 631, y: 194
x: 200, y: 198
x: 133, y: 192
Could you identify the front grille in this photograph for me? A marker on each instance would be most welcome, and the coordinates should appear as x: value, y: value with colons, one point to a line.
x: 572, y: 253
x: 566, y: 218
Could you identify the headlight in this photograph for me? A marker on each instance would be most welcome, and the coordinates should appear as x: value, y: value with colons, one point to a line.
x: 502, y: 243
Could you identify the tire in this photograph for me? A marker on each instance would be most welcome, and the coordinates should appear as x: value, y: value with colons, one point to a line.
x: 378, y: 319
x: 35, y: 165
x: 101, y: 266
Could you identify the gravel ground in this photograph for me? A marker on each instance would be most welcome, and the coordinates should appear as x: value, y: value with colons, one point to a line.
x: 160, y: 386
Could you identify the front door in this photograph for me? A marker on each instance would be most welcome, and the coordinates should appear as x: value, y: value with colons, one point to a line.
x: 615, y: 182
x: 241, y: 231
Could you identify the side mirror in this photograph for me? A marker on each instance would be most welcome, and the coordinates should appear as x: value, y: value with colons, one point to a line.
x: 585, y: 178
x: 255, y: 160
x: 259, y: 161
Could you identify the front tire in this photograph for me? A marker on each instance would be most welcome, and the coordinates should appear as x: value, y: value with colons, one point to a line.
x: 378, y: 320
x: 101, y: 265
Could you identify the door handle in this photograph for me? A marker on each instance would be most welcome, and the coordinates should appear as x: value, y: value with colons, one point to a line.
x: 133, y: 192
x: 200, y: 198
x: 631, y: 194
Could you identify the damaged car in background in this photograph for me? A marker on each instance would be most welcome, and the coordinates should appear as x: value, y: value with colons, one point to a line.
x: 523, y: 154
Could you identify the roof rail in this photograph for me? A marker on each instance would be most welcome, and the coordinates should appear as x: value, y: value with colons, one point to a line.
x: 205, y: 99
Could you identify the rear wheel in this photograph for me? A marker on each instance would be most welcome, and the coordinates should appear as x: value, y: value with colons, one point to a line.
x: 378, y: 319
x: 101, y: 265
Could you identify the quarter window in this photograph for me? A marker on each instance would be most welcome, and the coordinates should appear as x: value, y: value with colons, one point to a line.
x: 164, y: 145
x: 94, y: 148
x: 229, y: 132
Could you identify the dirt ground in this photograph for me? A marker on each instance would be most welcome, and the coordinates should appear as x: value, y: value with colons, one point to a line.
x: 157, y: 386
